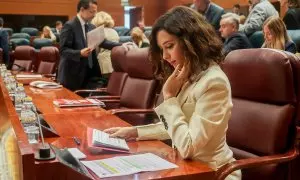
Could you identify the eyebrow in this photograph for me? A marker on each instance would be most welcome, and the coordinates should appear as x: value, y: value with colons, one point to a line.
x: 167, y: 42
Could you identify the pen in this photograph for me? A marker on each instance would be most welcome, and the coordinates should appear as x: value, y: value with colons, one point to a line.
x: 76, y: 140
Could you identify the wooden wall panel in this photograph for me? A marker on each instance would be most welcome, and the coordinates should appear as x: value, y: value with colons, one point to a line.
x: 114, y: 8
x: 39, y: 7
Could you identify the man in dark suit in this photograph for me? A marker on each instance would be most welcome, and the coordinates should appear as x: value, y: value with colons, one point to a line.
x: 4, y: 43
x: 229, y: 31
x: 78, y: 63
x: 58, y: 27
x: 292, y: 16
x: 211, y: 11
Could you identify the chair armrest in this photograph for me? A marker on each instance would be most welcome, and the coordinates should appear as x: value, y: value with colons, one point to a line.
x: 227, y: 169
x: 90, y: 90
x: 105, y: 97
x: 49, y: 75
x: 129, y: 111
x: 110, y: 100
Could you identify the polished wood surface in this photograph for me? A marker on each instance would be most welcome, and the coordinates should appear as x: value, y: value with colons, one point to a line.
x: 72, y: 122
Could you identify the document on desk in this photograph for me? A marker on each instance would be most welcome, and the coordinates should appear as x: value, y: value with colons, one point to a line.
x: 125, y: 165
x: 95, y: 37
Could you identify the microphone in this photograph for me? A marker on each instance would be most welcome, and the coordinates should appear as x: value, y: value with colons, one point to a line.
x: 44, y: 151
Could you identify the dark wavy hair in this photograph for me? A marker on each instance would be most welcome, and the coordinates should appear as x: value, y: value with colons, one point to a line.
x: 198, y: 39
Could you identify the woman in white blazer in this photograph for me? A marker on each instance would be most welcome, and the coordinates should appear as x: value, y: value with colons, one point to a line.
x: 185, y: 52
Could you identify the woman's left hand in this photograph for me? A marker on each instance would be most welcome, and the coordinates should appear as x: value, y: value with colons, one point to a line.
x: 175, y: 82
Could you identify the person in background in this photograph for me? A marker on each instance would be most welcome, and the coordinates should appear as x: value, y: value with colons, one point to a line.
x: 229, y: 27
x: 141, y: 25
x: 103, y: 55
x: 236, y: 9
x: 260, y: 11
x: 4, y: 43
x: 58, y: 27
x: 47, y: 33
x: 186, y: 52
x: 292, y: 16
x: 276, y: 36
x: 139, y: 38
x: 211, y: 11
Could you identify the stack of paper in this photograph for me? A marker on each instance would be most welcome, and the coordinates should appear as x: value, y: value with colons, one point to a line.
x: 28, y: 76
x: 125, y: 165
x: 78, y: 103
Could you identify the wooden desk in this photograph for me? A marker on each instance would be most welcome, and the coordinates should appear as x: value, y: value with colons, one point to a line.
x: 69, y: 123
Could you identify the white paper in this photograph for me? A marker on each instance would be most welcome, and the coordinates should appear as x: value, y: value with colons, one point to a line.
x: 125, y: 165
x: 45, y: 84
x: 102, y: 139
x: 76, y: 153
x: 28, y: 76
x: 95, y: 37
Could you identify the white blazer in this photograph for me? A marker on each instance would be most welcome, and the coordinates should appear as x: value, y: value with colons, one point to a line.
x: 197, y: 120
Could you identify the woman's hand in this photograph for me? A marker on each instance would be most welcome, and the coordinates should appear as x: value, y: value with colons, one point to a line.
x: 127, y: 133
x: 175, y: 82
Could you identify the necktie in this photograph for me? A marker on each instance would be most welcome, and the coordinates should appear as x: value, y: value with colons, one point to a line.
x: 90, y: 59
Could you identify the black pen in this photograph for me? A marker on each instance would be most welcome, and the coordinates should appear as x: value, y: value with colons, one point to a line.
x: 76, y: 140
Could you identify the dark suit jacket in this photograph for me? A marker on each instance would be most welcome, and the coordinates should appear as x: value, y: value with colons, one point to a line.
x: 213, y: 15
x: 4, y: 46
x: 73, y: 70
x: 236, y: 41
x: 292, y: 18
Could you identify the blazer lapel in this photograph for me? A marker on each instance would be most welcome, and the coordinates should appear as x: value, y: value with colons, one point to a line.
x: 184, y: 92
x: 81, y: 31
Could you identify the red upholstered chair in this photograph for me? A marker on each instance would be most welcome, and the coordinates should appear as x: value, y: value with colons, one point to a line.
x: 140, y: 87
x: 117, y: 78
x: 24, y: 56
x: 48, y: 58
x: 261, y: 131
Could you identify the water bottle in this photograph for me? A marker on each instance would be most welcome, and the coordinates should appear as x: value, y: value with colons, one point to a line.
x: 27, y: 116
x: 19, y: 97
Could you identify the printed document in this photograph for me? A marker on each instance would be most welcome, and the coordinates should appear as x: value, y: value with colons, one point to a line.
x: 95, y: 37
x: 125, y: 165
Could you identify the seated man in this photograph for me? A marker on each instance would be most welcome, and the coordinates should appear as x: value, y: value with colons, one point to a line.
x: 260, y: 11
x: 211, y: 11
x: 4, y: 43
x: 229, y: 31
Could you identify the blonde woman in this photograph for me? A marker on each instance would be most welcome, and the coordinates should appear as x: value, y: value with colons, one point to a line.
x: 276, y: 36
x: 47, y: 33
x: 103, y: 55
x: 139, y: 38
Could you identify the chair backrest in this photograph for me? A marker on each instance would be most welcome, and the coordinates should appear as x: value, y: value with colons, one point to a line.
x: 122, y: 31
x: 118, y: 76
x: 263, y: 85
x: 19, y: 42
x: 20, y: 35
x: 24, y: 57
x: 10, y: 31
x: 48, y: 59
x: 124, y: 39
x: 30, y: 30
x: 1, y: 55
x: 38, y: 43
x: 140, y: 87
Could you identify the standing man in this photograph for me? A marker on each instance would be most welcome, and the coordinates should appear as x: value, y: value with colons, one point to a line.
x: 78, y: 63
x: 211, y: 12
x: 260, y: 11
x: 229, y: 27
x: 58, y: 27
x: 4, y: 43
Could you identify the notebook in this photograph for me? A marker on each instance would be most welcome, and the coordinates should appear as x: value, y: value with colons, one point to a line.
x: 100, y: 140
x: 78, y: 103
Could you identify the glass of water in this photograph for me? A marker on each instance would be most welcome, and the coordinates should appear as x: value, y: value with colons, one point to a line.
x: 32, y: 134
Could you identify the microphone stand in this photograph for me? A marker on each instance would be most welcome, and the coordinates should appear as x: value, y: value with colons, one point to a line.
x: 44, y: 151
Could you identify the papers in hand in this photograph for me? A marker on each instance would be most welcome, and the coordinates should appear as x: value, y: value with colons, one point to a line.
x: 28, y: 76
x: 95, y: 37
x: 102, y: 141
x: 77, y: 103
x: 45, y: 84
x: 125, y: 165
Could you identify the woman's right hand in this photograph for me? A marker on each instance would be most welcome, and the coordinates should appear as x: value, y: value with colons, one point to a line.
x: 127, y: 133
